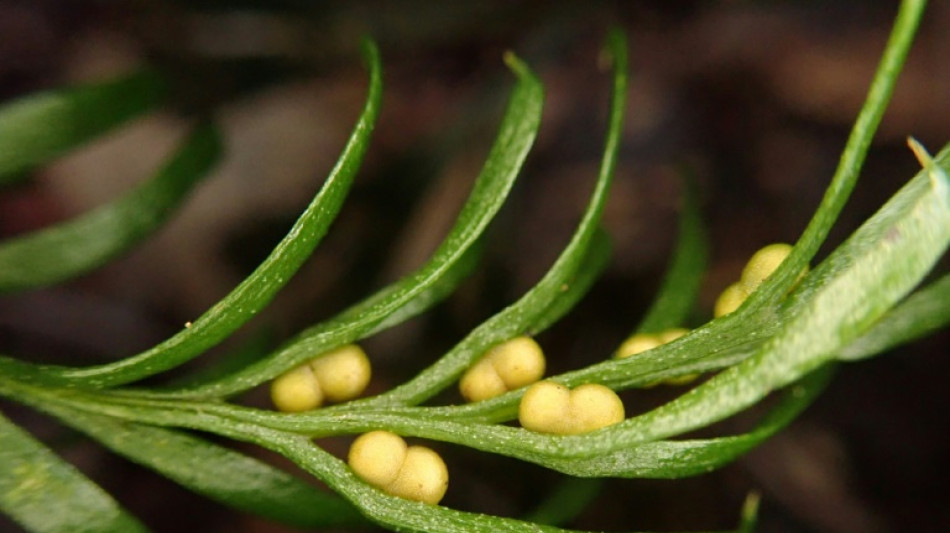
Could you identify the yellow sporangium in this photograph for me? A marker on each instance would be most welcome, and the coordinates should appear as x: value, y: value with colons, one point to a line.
x: 729, y: 300
x: 383, y: 460
x: 507, y: 366
x: 337, y: 376
x: 761, y: 265
x: 549, y: 407
x: 641, y: 342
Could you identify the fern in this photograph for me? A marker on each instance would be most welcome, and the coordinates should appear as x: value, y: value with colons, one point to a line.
x: 787, y: 337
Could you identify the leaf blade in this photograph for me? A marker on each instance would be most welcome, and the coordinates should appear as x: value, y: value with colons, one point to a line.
x: 516, y: 135
x: 252, y: 294
x: 216, y: 472
x: 681, y: 283
x: 47, y: 495
x: 79, y: 245
x: 39, y: 127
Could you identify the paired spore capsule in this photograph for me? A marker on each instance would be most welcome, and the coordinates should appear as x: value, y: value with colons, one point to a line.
x: 508, y: 366
x: 761, y: 265
x: 642, y: 342
x: 384, y: 460
x: 337, y: 376
x: 549, y: 407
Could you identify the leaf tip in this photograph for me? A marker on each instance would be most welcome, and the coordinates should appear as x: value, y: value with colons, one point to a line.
x: 921, y: 153
x: 750, y: 512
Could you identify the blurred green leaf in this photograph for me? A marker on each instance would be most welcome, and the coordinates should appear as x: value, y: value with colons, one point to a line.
x: 834, y: 305
x: 548, y: 297
x: 252, y: 294
x: 89, y: 241
x: 568, y: 499
x: 39, y: 127
x: 216, y: 472
x: 677, y: 294
x: 48, y: 495
x: 517, y: 132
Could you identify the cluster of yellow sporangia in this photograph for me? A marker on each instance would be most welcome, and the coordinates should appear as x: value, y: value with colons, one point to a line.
x: 641, y: 342
x: 546, y: 406
x: 336, y: 376
x: 762, y: 264
x: 508, y: 366
x: 550, y: 407
x: 383, y: 460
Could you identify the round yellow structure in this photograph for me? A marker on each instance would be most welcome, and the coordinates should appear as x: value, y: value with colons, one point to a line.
x: 337, y: 376
x: 548, y: 407
x: 508, y: 366
x: 383, y: 459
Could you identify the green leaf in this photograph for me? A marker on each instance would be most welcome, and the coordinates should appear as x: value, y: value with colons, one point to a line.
x: 749, y: 518
x: 670, y: 459
x: 922, y: 313
x: 573, y: 289
x: 39, y: 127
x: 852, y: 158
x: 540, y: 304
x: 252, y: 294
x: 86, y: 242
x: 568, y: 499
x: 681, y: 285
x: 517, y: 132
x: 834, y: 305
x: 47, y: 495
x: 216, y: 472
x: 390, y: 511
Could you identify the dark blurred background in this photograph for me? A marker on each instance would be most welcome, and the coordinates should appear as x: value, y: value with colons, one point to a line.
x: 756, y: 97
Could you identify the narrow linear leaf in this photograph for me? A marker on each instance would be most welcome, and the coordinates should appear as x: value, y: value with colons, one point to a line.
x: 681, y: 284
x: 749, y: 518
x: 390, y: 511
x: 516, y: 135
x: 257, y: 345
x: 834, y: 305
x: 540, y: 304
x: 852, y: 158
x: 671, y: 459
x: 922, y: 313
x: 597, y: 257
x: 256, y: 291
x: 45, y: 494
x: 568, y: 500
x: 39, y: 127
x: 216, y: 472
x: 88, y: 241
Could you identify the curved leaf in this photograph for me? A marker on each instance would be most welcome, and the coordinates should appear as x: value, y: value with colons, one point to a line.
x: 216, y: 472
x: 39, y: 127
x: 681, y: 284
x: 852, y: 158
x: 88, y: 241
x: 517, y: 132
x: 923, y: 312
x: 48, y: 495
x: 834, y: 305
x: 533, y: 307
x: 670, y: 459
x: 252, y: 294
